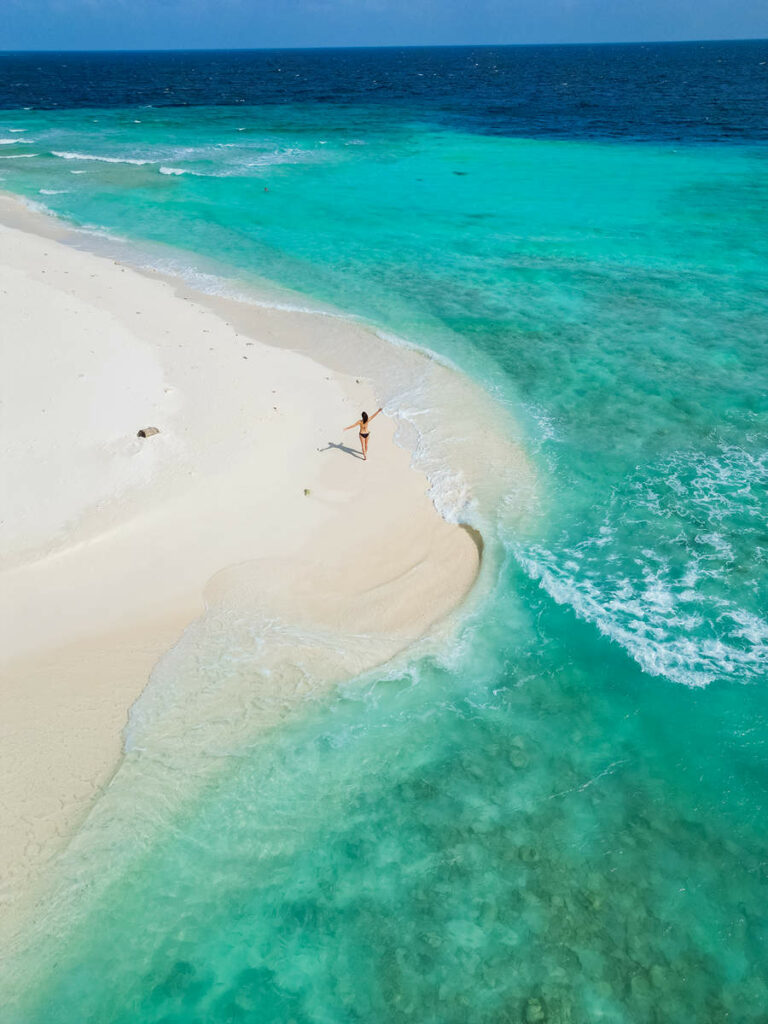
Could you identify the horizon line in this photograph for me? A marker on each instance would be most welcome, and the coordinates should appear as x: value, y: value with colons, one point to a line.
x: 392, y: 46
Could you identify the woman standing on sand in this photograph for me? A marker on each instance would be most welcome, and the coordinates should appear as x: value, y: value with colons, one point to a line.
x: 363, y: 423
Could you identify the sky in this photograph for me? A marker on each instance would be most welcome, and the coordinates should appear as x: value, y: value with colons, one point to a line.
x: 182, y: 24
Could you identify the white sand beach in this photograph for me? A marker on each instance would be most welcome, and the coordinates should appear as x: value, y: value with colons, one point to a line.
x: 110, y: 541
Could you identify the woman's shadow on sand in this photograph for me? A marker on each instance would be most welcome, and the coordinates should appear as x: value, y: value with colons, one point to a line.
x: 341, y: 448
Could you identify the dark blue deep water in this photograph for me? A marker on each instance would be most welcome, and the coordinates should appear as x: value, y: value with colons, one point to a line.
x: 708, y: 91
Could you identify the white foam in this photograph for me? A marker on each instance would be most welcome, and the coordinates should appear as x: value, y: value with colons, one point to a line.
x: 17, y: 156
x: 670, y: 598
x: 36, y: 207
x: 243, y: 160
x: 718, y: 543
x: 543, y: 421
x: 97, y: 231
x: 67, y: 155
x: 746, y: 625
x: 286, y: 156
x: 642, y: 630
x: 172, y: 170
x: 53, y: 191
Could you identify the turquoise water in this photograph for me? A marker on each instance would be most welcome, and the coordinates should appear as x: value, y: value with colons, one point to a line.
x: 562, y: 818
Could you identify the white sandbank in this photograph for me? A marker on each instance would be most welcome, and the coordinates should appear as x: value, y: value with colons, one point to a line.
x: 109, y: 541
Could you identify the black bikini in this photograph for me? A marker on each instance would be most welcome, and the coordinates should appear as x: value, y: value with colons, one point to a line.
x: 363, y: 435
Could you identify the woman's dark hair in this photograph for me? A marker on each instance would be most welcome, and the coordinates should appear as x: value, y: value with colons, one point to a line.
x: 365, y: 417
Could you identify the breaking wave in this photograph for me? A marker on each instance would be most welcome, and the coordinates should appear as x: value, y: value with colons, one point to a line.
x: 662, y: 574
x: 66, y: 155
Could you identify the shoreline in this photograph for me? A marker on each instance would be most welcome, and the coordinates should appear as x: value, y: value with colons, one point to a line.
x: 83, y: 599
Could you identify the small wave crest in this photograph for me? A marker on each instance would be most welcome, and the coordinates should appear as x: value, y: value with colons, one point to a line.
x: 64, y: 154
x: 662, y: 576
x: 206, y: 161
x: 291, y: 155
x: 666, y: 633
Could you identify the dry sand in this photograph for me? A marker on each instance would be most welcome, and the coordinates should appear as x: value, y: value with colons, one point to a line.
x: 110, y: 541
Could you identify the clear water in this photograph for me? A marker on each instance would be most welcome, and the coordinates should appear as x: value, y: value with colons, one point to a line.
x: 562, y: 817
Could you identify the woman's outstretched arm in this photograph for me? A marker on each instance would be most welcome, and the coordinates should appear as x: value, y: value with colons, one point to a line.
x: 355, y: 424
x: 374, y: 415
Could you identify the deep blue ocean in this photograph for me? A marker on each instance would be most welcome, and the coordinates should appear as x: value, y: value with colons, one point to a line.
x: 561, y: 818
x: 657, y: 92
